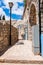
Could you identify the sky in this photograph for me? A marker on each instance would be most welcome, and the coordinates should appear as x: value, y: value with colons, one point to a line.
x: 17, y: 9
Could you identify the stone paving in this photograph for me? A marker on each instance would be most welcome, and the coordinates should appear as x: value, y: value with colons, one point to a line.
x: 19, y: 51
x: 17, y: 64
x: 22, y: 50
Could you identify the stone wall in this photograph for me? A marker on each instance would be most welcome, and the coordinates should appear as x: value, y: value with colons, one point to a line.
x: 4, y: 36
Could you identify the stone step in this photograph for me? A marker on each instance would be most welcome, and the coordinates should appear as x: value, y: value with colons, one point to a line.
x: 30, y: 35
x: 30, y: 38
x: 21, y: 61
x: 30, y: 32
x: 30, y: 27
x: 18, y: 64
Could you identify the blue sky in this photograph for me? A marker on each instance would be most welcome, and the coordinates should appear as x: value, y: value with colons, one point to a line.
x: 17, y: 9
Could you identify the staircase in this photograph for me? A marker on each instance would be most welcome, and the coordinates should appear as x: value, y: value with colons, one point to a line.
x: 30, y: 32
x: 22, y: 62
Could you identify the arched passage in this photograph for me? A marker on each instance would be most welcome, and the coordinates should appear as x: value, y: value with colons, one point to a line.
x: 32, y: 17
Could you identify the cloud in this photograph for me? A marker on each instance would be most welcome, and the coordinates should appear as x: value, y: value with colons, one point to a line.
x: 6, y: 2
x: 18, y: 12
x: 7, y: 17
x: 1, y: 12
x: 17, y: 9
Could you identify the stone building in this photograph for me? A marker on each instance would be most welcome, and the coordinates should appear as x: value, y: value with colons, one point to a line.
x: 24, y: 26
x: 30, y: 18
x: 32, y: 15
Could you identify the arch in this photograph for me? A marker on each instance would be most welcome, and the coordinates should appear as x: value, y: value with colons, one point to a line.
x: 32, y: 16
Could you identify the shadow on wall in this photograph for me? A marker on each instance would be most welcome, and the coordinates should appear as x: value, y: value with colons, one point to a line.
x: 4, y: 37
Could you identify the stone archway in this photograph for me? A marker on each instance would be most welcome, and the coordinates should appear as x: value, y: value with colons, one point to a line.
x: 32, y: 17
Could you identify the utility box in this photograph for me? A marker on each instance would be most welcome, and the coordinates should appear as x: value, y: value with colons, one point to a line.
x: 35, y: 39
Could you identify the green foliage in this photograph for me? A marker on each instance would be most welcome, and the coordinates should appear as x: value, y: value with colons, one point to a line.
x: 3, y: 18
x: 0, y: 17
x: 24, y: 1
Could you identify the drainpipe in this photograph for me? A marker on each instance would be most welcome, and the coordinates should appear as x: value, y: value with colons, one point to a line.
x: 40, y: 26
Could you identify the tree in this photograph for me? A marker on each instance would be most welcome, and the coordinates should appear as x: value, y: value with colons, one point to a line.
x: 0, y: 17
x: 3, y: 18
x: 24, y: 1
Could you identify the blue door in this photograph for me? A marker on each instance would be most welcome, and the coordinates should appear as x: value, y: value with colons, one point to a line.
x: 41, y: 44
